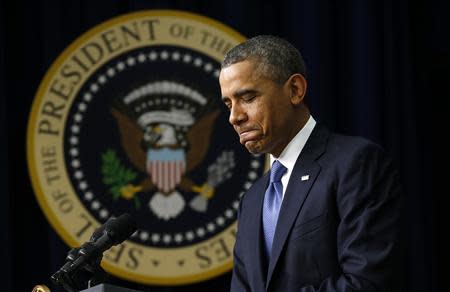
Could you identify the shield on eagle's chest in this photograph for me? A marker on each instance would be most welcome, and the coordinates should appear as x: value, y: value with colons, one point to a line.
x: 166, y: 167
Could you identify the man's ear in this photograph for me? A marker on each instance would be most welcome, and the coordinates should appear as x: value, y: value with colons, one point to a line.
x: 297, y: 87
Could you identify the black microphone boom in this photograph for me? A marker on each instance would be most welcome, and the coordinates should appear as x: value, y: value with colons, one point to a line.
x: 88, y: 256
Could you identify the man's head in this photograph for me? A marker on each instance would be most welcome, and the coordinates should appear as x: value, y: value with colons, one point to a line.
x: 275, y: 57
x: 263, y: 84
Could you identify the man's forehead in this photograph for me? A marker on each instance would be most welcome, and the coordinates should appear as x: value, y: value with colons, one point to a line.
x: 242, y: 71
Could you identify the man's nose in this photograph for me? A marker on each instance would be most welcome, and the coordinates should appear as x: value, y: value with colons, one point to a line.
x: 237, y: 115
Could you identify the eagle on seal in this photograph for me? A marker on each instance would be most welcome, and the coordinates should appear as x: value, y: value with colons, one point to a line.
x: 167, y: 156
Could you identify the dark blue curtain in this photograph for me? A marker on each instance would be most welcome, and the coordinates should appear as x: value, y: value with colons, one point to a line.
x: 5, y: 225
x: 378, y: 69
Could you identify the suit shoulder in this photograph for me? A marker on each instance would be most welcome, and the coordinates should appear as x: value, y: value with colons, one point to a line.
x: 352, y: 145
x: 343, y: 151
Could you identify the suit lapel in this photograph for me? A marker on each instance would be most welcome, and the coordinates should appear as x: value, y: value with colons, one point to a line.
x: 296, y: 192
x: 256, y: 238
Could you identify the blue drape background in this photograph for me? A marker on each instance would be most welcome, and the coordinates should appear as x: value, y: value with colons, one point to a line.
x: 378, y: 69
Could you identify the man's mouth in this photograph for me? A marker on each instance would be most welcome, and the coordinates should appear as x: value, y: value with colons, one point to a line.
x: 248, y: 135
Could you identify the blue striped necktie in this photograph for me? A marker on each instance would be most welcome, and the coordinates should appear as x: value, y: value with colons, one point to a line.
x: 272, y: 203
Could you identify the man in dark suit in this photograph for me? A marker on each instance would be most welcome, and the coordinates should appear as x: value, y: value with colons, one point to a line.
x: 326, y: 216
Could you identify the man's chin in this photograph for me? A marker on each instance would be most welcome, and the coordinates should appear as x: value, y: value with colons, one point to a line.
x: 253, y: 147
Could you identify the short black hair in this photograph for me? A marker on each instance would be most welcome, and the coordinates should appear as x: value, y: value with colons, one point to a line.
x: 278, y: 59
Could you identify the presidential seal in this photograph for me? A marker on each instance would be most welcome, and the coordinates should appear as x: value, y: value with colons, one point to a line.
x: 129, y: 119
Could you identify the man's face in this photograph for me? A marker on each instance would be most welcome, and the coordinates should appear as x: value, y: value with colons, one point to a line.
x: 260, y: 109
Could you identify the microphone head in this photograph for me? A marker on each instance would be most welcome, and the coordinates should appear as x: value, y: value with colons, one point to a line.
x: 100, y: 230
x: 120, y: 228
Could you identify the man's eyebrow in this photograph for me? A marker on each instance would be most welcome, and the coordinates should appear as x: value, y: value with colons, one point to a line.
x: 241, y: 92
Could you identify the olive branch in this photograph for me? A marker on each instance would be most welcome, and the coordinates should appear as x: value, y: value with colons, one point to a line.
x: 116, y: 175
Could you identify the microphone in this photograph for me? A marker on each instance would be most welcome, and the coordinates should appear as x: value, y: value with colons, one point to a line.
x: 88, y: 256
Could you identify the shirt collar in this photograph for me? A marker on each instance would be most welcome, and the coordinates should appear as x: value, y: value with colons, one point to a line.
x: 291, y: 152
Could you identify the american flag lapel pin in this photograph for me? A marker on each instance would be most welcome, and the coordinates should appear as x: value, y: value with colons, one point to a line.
x: 305, y: 177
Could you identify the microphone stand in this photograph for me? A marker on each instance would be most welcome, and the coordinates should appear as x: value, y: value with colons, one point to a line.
x: 77, y: 274
x: 82, y: 267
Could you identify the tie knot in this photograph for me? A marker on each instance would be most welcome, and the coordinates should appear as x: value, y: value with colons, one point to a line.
x: 277, y: 171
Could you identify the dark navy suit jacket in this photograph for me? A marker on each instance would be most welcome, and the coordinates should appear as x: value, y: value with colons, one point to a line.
x: 338, y: 230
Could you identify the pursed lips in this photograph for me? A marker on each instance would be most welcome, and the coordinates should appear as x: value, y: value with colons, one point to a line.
x: 243, y: 131
x: 248, y: 134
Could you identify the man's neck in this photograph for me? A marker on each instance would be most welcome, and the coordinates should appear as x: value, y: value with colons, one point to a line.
x: 303, y: 119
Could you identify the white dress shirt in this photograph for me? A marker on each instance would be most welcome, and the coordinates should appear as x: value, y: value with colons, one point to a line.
x: 290, y: 154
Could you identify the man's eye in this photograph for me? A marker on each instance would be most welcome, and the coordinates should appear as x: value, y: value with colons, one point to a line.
x: 249, y: 98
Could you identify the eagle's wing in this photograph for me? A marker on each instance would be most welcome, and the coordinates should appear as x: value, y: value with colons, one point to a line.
x: 198, y: 137
x: 131, y: 136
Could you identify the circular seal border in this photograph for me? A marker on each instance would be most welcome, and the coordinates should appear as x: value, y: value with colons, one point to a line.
x: 33, y: 117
